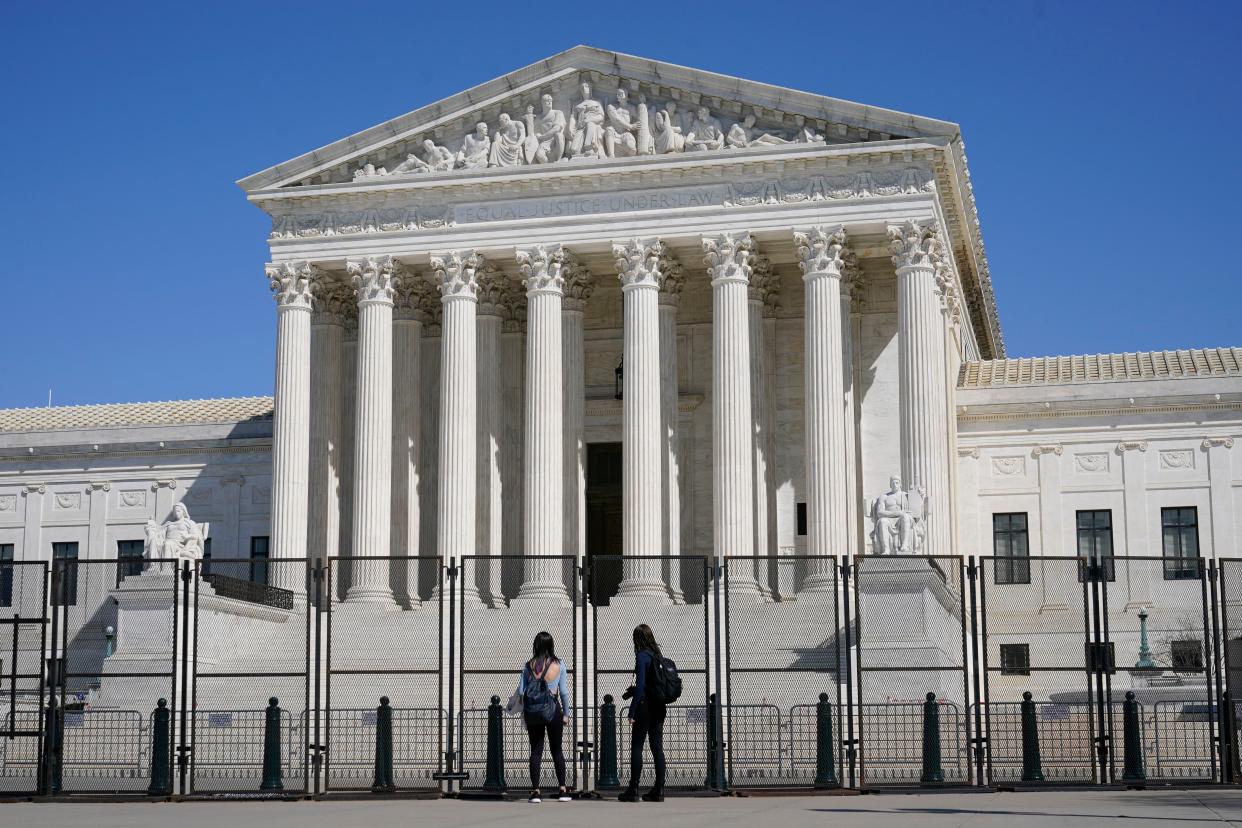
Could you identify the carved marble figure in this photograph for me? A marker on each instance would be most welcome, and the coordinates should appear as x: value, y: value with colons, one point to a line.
x: 620, y: 135
x: 742, y: 135
x: 178, y: 538
x: 438, y: 159
x: 667, y: 137
x: 705, y: 133
x: 475, y: 149
x: 586, y: 127
x: 898, y: 520
x: 548, y: 130
x: 508, y: 143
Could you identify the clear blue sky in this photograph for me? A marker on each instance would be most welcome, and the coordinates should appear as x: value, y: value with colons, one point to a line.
x: 1101, y: 139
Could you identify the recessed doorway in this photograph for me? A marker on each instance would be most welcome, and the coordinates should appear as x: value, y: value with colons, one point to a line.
x: 603, y: 513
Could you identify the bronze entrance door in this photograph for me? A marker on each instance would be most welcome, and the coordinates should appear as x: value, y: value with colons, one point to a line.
x: 603, y: 507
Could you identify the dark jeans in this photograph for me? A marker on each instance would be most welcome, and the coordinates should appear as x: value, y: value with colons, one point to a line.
x: 648, y: 727
x: 536, y: 727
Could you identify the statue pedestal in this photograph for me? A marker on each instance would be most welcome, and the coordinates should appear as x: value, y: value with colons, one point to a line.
x: 910, y: 626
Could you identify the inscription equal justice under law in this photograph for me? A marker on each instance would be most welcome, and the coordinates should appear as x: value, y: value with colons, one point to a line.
x: 534, y: 208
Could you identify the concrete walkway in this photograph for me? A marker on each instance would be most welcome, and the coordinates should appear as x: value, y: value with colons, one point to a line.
x: 1168, y: 809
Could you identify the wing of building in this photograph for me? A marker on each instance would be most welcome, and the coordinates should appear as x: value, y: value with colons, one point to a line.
x: 606, y: 305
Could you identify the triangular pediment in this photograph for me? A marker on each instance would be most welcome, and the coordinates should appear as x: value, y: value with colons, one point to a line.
x: 634, y: 107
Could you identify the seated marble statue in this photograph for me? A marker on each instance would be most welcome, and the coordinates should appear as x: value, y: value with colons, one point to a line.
x: 898, y: 520
x: 666, y: 135
x: 705, y: 133
x: 548, y: 132
x: 742, y: 135
x: 475, y: 149
x: 177, y: 539
x: 508, y: 147
x: 620, y: 135
x: 586, y: 127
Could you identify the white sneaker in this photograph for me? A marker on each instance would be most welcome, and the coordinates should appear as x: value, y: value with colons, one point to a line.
x: 534, y: 799
x: 564, y: 797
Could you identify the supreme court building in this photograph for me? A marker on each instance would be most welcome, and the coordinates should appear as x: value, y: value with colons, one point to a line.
x: 611, y: 306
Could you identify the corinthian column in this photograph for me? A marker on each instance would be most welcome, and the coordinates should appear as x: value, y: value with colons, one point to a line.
x: 333, y: 304
x: 291, y: 284
x: 579, y: 285
x: 820, y: 252
x: 728, y: 263
x: 672, y: 280
x: 923, y: 387
x: 489, y: 527
x: 638, y: 263
x: 544, y: 438
x: 760, y: 295
x: 456, y: 274
x: 372, y: 527
x: 411, y: 311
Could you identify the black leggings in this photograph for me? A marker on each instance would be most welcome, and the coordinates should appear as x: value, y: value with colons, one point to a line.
x: 535, y: 728
x: 649, y: 727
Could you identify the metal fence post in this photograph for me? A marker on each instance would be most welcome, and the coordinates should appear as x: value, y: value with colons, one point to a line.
x: 383, y: 749
x: 608, y: 744
x: 1032, y: 767
x: 1133, y: 768
x: 495, y: 780
x: 932, y: 772
x: 272, y: 778
x: 161, y: 778
x: 825, y: 750
x: 715, y: 757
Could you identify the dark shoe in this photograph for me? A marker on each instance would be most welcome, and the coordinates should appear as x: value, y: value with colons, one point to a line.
x: 653, y: 795
x: 628, y: 795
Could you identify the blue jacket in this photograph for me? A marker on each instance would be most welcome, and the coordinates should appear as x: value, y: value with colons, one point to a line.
x: 642, y: 667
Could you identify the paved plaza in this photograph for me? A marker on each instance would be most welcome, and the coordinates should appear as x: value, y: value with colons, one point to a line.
x: 1014, y: 810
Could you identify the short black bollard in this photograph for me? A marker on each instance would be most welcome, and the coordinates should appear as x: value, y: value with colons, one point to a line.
x: 932, y: 772
x: 608, y: 744
x: 495, y: 780
x: 825, y: 756
x: 383, y: 749
x: 53, y: 741
x: 1133, y: 767
x: 1032, y: 766
x: 272, y: 778
x: 161, y: 771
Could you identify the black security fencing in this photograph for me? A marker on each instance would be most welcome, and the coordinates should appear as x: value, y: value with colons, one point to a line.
x: 302, y: 678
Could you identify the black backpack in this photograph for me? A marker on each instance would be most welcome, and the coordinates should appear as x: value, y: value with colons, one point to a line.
x: 665, y: 683
x: 537, y: 701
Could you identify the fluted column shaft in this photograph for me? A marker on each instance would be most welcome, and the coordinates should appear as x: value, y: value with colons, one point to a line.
x: 543, y: 431
x: 923, y: 388
x: 489, y: 525
x: 579, y: 286
x: 641, y: 446
x: 820, y: 252
x: 327, y: 335
x: 455, y: 526
x: 762, y: 287
x: 727, y: 259
x: 290, y: 283
x: 407, y: 401
x: 669, y: 454
x: 372, y: 518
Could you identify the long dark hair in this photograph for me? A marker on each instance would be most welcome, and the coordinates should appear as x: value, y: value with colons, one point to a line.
x: 544, y: 648
x: 644, y: 639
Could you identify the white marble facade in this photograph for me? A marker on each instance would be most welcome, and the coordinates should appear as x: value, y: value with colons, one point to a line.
x: 799, y: 290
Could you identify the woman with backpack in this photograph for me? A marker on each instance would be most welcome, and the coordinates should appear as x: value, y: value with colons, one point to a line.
x: 649, y: 703
x: 543, y: 689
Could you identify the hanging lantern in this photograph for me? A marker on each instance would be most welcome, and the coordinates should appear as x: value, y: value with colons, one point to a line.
x: 620, y: 381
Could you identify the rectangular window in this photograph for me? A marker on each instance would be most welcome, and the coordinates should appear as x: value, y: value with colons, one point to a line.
x: 258, y: 559
x: 801, y: 519
x: 1009, y: 545
x: 1180, y: 530
x: 65, y: 574
x: 1186, y: 655
x: 1015, y: 659
x: 205, y: 569
x: 6, y: 574
x: 128, y: 559
x: 1095, y: 544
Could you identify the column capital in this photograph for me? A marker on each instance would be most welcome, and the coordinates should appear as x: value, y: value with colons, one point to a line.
x: 456, y: 274
x: 727, y: 257
x: 542, y: 269
x: 414, y: 299
x: 1048, y: 448
x: 491, y: 289
x: 333, y: 300
x: 821, y: 251
x: 674, y: 279
x: 764, y: 285
x: 1131, y: 445
x: 638, y: 262
x: 579, y: 283
x: 514, y: 319
x: 291, y: 283
x: 915, y: 244
x: 372, y: 278
x: 1217, y: 442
